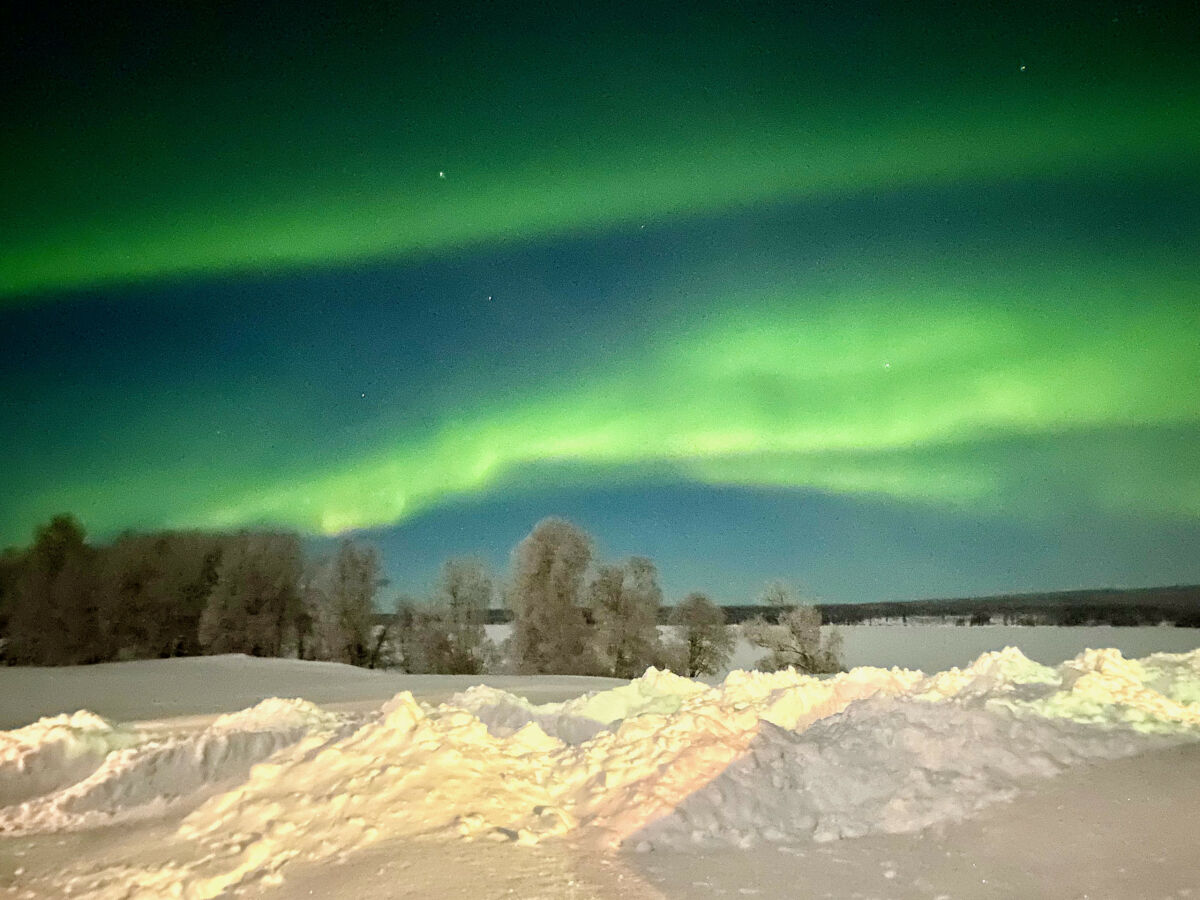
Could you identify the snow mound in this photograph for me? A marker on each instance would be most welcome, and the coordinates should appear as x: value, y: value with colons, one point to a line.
x: 577, y: 720
x: 56, y: 751
x: 998, y: 672
x: 1174, y: 675
x: 666, y: 761
x: 132, y: 776
x: 891, y: 765
x: 1158, y: 695
x: 275, y: 714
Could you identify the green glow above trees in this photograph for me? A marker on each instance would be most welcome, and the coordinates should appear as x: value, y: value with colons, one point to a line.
x: 945, y: 387
x: 1030, y: 364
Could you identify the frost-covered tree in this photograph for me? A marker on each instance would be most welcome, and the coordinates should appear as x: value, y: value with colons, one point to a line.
x: 406, y: 652
x: 53, y: 612
x: 706, y: 642
x: 605, y: 600
x: 447, y: 636
x: 255, y: 603
x: 550, y: 632
x: 464, y: 594
x: 152, y: 592
x: 624, y: 600
x: 796, y: 642
x: 10, y: 570
x: 423, y: 639
x: 339, y: 605
x: 779, y: 597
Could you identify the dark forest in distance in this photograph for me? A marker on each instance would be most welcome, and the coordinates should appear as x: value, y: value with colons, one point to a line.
x: 1178, y: 605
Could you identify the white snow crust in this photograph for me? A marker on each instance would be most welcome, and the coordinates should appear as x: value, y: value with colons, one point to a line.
x: 575, y: 721
x: 56, y: 751
x: 108, y: 774
x: 662, y: 761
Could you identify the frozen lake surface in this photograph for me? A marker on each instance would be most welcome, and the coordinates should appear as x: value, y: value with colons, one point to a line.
x: 932, y: 648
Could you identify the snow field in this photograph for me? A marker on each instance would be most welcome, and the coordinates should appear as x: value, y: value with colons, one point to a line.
x: 660, y: 761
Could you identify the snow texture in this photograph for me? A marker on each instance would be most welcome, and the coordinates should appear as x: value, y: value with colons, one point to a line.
x: 106, y: 774
x: 662, y: 761
x: 54, y: 752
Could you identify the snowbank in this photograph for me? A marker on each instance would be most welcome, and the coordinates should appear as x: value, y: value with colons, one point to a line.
x: 575, y: 721
x: 661, y: 761
x: 56, y: 751
x: 92, y: 773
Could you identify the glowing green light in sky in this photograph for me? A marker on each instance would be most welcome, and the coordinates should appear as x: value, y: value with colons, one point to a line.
x: 1025, y: 364
x: 948, y: 388
x: 639, y: 174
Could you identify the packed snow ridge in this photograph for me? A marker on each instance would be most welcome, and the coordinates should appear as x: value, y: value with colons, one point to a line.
x: 662, y: 761
x: 79, y: 771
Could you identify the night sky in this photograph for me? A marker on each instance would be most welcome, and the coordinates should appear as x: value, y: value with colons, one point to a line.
x: 892, y: 300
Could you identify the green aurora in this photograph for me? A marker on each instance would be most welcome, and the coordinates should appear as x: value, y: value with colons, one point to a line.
x: 395, y: 211
x: 913, y: 388
x: 995, y: 357
x: 199, y: 156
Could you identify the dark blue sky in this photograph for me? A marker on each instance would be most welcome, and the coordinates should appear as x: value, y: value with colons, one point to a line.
x: 729, y: 542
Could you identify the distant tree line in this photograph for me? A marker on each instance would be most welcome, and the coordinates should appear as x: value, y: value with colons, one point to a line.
x: 65, y: 601
x: 1140, y: 607
x: 1133, y: 607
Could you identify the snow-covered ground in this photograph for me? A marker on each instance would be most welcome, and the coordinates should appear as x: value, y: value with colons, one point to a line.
x: 877, y: 782
x: 204, y: 687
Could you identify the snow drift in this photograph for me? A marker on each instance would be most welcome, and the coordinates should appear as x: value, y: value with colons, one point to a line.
x: 662, y: 761
x: 54, y: 752
x: 89, y: 772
